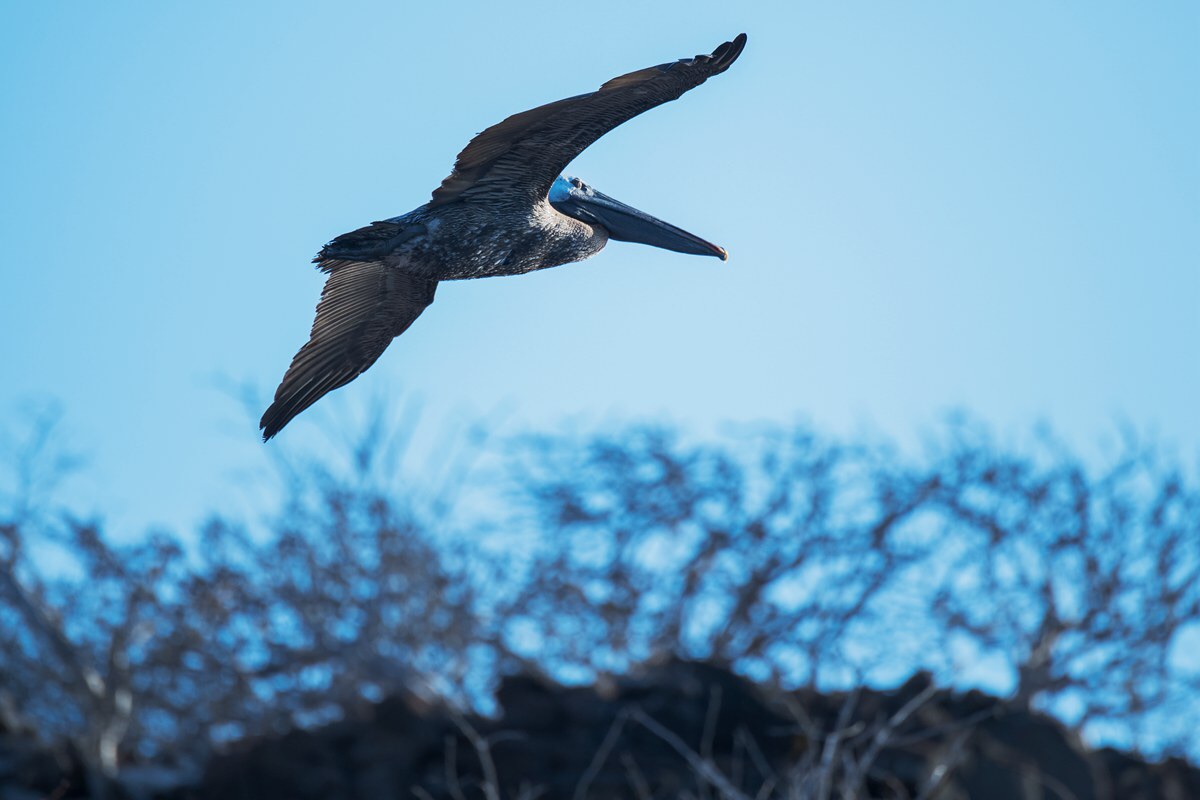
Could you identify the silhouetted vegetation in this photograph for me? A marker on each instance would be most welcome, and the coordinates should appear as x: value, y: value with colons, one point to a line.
x: 804, y: 563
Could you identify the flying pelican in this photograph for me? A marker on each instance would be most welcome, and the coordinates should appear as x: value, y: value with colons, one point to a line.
x: 504, y: 210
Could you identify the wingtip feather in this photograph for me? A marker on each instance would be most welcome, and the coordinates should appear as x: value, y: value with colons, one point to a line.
x: 270, y: 423
x: 728, y: 52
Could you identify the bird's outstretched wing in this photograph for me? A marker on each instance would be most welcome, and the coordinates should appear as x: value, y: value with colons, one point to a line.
x: 522, y: 155
x: 364, y: 305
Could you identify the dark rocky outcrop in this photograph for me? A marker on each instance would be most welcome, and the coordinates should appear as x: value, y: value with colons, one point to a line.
x: 632, y: 737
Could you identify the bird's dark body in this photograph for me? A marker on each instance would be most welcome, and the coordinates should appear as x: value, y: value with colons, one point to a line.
x: 504, y: 210
x: 468, y: 240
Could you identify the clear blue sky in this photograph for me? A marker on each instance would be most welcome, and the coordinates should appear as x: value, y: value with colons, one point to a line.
x: 927, y: 206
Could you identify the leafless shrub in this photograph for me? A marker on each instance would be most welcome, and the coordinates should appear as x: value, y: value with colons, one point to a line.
x: 1087, y: 582
x: 153, y: 651
x: 788, y: 556
x: 771, y: 554
x: 819, y: 563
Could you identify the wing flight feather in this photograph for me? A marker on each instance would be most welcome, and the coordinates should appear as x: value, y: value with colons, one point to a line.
x: 522, y: 155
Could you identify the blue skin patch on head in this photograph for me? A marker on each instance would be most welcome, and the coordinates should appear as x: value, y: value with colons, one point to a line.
x: 560, y: 190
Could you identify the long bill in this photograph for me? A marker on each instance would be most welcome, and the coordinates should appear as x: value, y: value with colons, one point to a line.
x: 627, y: 224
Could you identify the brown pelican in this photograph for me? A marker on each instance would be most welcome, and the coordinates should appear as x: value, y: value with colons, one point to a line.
x: 504, y: 210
